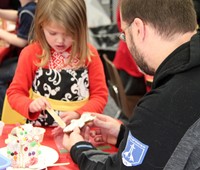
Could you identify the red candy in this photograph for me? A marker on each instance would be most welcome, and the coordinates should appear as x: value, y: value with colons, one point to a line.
x: 26, y: 148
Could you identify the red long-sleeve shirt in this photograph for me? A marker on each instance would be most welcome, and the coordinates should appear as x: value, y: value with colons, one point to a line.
x: 18, y: 92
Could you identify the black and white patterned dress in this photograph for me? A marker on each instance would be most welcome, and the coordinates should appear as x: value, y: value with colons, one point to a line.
x: 66, y: 84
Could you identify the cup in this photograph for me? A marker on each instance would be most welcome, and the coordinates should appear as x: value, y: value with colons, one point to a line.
x: 1, y: 127
x: 39, y: 131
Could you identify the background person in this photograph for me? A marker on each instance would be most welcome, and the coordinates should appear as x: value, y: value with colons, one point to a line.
x: 10, y: 4
x: 197, y: 8
x: 132, y: 78
x: 162, y: 45
x: 18, y: 39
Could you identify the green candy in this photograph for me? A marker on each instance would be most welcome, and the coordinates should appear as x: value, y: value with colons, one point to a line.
x: 32, y: 144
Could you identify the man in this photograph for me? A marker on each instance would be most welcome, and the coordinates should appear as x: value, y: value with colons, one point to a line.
x: 161, y: 36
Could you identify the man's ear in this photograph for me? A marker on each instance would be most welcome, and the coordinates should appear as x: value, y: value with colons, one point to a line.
x: 139, y: 29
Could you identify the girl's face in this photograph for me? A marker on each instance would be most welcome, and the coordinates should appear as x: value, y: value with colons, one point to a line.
x: 56, y: 37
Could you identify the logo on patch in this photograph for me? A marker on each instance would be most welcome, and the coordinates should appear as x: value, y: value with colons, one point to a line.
x: 134, y: 152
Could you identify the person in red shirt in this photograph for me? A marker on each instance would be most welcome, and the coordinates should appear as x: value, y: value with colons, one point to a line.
x: 63, y: 71
x: 132, y: 78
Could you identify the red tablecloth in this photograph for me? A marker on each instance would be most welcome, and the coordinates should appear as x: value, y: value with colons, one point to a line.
x: 50, y: 141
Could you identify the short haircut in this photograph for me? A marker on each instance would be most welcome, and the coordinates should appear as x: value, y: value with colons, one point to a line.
x: 168, y: 17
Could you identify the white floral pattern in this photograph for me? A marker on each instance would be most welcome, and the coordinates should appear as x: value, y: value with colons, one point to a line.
x: 65, y: 85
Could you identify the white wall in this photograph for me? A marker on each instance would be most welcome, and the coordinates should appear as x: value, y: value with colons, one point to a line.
x: 101, y: 12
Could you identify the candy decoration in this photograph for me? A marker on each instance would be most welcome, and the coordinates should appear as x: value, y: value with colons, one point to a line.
x: 22, y: 147
x: 26, y: 148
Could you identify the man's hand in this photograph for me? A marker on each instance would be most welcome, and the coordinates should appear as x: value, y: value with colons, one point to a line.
x: 103, y: 129
x: 71, y: 139
x: 106, y: 129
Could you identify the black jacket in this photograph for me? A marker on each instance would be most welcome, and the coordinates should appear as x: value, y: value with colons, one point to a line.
x: 160, y: 119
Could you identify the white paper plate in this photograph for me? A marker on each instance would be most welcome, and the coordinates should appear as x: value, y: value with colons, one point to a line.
x: 48, y: 157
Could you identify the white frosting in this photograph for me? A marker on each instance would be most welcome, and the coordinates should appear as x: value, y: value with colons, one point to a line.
x: 86, y: 117
x: 23, y: 146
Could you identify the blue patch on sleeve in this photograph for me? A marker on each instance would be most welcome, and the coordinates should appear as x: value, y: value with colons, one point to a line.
x: 84, y: 146
x: 134, y: 151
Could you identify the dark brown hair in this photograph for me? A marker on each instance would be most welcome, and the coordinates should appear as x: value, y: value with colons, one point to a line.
x: 168, y: 17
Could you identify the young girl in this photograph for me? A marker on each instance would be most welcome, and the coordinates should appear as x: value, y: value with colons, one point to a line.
x: 64, y: 71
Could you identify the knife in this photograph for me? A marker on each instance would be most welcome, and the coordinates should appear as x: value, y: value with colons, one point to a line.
x: 57, y: 118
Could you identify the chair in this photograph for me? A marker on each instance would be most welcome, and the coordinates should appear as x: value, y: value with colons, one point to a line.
x: 10, y: 116
x: 116, y: 89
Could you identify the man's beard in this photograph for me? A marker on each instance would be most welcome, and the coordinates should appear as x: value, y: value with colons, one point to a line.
x: 139, y: 58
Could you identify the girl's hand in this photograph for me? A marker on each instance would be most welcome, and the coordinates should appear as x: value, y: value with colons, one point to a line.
x: 39, y: 104
x: 68, y: 116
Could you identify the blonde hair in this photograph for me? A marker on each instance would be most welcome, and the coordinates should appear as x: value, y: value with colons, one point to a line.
x: 70, y: 14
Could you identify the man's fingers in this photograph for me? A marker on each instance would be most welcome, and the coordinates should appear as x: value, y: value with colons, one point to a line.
x: 86, y: 133
x: 100, y: 116
x: 101, y: 124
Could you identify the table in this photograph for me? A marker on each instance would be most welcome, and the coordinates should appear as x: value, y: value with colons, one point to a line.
x: 50, y: 141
